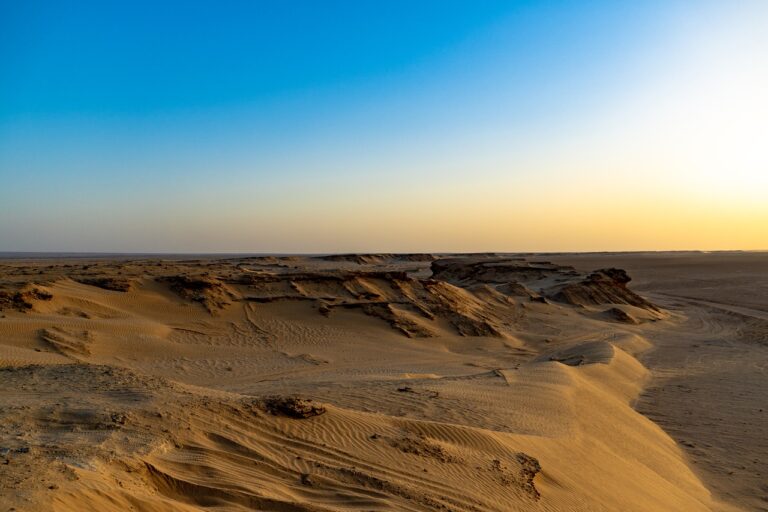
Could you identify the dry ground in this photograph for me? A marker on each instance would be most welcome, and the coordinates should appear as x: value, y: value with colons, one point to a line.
x: 151, y: 384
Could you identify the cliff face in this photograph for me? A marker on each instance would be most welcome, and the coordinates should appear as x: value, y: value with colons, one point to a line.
x: 495, y: 270
x: 536, y: 279
x: 378, y: 258
x: 473, y: 295
x: 411, y: 305
x: 605, y: 286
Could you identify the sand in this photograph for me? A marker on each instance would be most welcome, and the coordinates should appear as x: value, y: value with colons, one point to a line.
x: 385, y: 382
x: 710, y: 370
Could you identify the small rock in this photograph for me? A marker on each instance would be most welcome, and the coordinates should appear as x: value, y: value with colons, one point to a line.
x: 293, y: 407
x: 118, y: 418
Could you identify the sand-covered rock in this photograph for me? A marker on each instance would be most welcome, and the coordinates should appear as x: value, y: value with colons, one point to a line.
x: 378, y: 258
x: 621, y: 316
x: 605, y: 286
x: 208, y: 291
x: 117, y: 284
x: 293, y: 407
x: 23, y: 299
x: 496, y: 270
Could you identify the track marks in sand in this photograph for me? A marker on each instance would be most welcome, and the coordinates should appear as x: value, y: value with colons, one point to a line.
x: 708, y: 370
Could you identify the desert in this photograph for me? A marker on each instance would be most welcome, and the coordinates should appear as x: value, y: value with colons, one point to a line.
x: 383, y: 256
x: 385, y: 382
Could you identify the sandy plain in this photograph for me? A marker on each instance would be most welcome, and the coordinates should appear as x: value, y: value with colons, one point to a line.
x: 488, y: 382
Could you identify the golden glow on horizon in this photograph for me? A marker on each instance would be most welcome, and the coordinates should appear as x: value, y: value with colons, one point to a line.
x: 678, y: 160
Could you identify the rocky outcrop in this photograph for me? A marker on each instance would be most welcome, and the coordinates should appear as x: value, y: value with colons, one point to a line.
x: 541, y: 280
x: 408, y: 304
x: 529, y: 468
x: 496, y: 270
x: 293, y: 407
x: 515, y: 289
x: 116, y: 284
x: 398, y: 318
x: 24, y: 299
x: 619, y: 315
x: 376, y: 259
x: 605, y: 286
x: 208, y: 291
x: 468, y: 314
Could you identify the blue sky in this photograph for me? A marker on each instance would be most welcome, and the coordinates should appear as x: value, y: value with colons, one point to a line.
x: 335, y: 126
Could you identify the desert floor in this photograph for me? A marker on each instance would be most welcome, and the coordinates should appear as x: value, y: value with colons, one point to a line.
x: 488, y: 382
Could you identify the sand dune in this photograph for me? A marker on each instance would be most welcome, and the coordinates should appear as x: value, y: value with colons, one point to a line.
x: 353, y: 382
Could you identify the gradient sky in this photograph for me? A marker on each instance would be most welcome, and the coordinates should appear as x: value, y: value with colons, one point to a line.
x: 383, y: 126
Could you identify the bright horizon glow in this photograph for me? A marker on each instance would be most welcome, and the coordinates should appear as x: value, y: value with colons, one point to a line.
x: 369, y: 127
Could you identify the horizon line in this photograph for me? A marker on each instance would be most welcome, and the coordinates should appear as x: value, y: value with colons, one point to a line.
x: 105, y: 254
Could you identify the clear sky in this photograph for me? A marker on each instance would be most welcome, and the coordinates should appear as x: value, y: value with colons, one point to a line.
x: 308, y: 126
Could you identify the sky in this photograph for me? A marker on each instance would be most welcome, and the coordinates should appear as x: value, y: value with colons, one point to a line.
x: 398, y: 126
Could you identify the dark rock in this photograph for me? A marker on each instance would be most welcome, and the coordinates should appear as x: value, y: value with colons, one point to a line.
x: 22, y: 300
x: 107, y: 283
x: 293, y: 407
x: 530, y: 467
x: 208, y: 291
x: 607, y: 286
